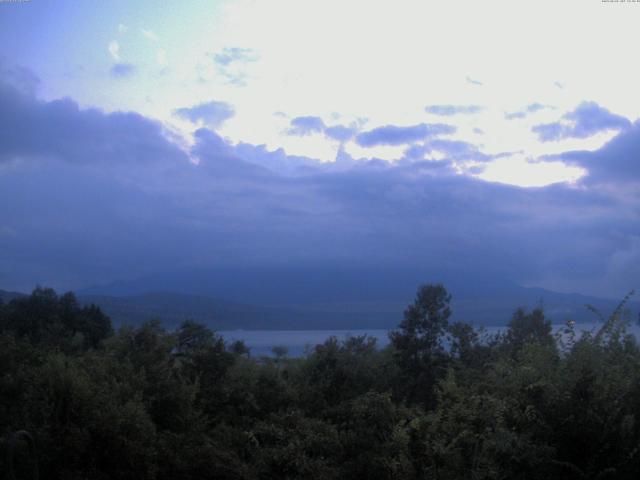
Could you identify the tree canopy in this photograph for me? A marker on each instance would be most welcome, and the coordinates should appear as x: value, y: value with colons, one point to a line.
x: 443, y: 400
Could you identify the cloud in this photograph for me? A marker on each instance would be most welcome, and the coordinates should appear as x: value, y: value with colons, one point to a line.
x: 114, y: 50
x: 455, y: 150
x: 229, y: 55
x: 218, y: 158
x: 20, y: 78
x: 231, y: 64
x: 306, y: 125
x: 149, y: 35
x: 161, y: 58
x: 212, y: 114
x: 278, y: 160
x: 395, y: 135
x: 625, y: 264
x: 586, y: 120
x: 309, y: 124
x: 123, y: 70
x: 515, y: 115
x: 531, y: 108
x: 7, y: 231
x: 616, y: 163
x: 473, y: 81
x: 31, y: 129
x: 340, y: 133
x: 535, y: 107
x: 448, y: 110
x: 115, y: 198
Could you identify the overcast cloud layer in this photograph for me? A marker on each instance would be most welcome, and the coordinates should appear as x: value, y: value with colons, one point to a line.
x: 407, y: 134
x: 88, y: 197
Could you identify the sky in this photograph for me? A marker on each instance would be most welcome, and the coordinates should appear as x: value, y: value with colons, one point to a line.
x: 142, y: 136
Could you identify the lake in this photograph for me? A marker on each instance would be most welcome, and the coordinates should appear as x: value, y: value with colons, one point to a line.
x: 297, y: 341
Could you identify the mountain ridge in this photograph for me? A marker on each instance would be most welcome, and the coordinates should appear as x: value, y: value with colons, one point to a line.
x: 334, y: 297
x: 319, y: 299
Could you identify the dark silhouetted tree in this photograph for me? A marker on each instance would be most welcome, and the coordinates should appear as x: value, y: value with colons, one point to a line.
x: 419, y: 342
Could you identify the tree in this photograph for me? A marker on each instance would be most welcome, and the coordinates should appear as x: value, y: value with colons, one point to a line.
x: 203, y: 357
x: 419, y: 342
x: 57, y: 321
x: 194, y: 338
x: 239, y: 348
x: 95, y: 326
x: 374, y: 447
x: 528, y: 328
x: 280, y: 352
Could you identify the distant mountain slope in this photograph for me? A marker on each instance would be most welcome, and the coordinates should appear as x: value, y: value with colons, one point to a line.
x: 172, y: 308
x: 7, y: 296
x: 324, y: 298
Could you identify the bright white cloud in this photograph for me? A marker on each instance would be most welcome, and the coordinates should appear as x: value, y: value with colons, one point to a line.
x: 114, y: 50
x: 161, y: 58
x: 522, y: 171
x: 149, y: 34
x: 386, y: 61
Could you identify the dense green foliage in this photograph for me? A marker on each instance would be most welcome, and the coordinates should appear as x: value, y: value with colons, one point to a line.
x: 443, y: 401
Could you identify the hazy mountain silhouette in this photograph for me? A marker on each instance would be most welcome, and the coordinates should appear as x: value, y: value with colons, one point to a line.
x: 7, y: 296
x: 323, y: 298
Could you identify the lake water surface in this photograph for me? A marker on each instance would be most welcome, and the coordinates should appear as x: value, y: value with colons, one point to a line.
x: 297, y: 342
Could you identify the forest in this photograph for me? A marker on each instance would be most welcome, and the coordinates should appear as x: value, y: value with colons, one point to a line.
x: 79, y: 400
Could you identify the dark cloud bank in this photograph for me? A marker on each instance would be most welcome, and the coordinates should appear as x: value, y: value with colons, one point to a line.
x: 89, y: 198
